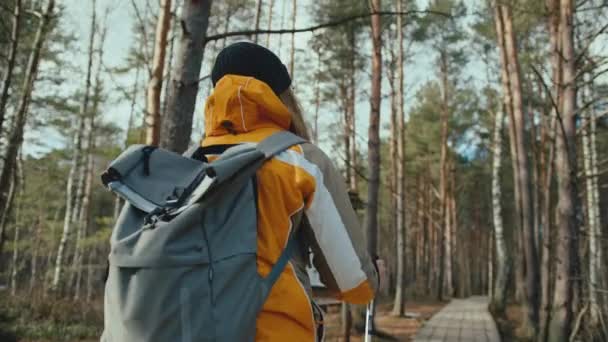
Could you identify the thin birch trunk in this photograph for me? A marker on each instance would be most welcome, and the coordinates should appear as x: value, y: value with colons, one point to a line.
x: 400, y: 286
x: 599, y: 256
x: 34, y: 262
x: 84, y: 220
x: 508, y: 100
x: 71, y: 208
x: 153, y: 118
x: 502, y: 258
x: 592, y: 224
x: 10, y: 63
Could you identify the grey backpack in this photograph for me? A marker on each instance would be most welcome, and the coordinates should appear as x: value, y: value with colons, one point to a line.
x: 182, y: 264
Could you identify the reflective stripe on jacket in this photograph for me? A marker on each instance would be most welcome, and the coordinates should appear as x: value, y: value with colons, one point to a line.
x: 301, y: 182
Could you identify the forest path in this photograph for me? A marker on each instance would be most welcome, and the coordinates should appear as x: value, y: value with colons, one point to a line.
x: 461, y: 320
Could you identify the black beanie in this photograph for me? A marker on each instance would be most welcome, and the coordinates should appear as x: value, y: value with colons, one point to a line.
x: 249, y: 59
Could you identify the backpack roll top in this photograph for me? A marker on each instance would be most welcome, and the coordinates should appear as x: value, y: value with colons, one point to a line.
x: 150, y: 177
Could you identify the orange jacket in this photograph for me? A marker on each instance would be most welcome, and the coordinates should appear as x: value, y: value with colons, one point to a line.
x: 298, y: 186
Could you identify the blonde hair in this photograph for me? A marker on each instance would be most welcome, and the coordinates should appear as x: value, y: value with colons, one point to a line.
x: 298, y: 125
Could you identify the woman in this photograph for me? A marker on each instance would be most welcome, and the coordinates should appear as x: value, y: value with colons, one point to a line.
x: 297, y: 190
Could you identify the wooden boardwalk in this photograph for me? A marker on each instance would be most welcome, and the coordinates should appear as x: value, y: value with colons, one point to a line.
x: 462, y: 320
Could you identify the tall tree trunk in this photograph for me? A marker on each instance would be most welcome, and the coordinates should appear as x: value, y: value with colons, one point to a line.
x: 16, y: 138
x: 443, y: 283
x: 172, y: 34
x: 258, y: 15
x: 281, y: 26
x: 34, y: 262
x: 177, y: 122
x: 352, y: 119
x: 565, y: 164
x: 373, y: 144
x: 551, y: 125
x: 508, y: 104
x: 153, y: 118
x: 371, y: 218
x: 270, y: 6
x: 292, y: 61
x: 599, y: 256
x: 10, y: 63
x: 593, y: 229
x: 519, y: 123
x: 73, y: 202
x: 502, y: 258
x: 315, y: 125
x: 84, y: 220
x: 19, y: 182
x: 7, y: 207
x: 400, y: 286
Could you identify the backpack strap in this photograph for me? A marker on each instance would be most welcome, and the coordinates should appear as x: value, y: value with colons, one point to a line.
x: 278, y: 142
x: 281, y: 263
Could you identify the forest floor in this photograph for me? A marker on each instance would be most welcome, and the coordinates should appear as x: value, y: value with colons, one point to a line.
x: 402, y: 329
x: 34, y: 319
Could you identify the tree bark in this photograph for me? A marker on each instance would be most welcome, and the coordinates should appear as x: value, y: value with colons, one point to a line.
x: 352, y: 119
x: 292, y: 61
x: 444, y: 284
x: 565, y: 165
x: 547, y: 174
x: 502, y: 257
x: 177, y: 121
x: 270, y: 6
x: 593, y: 229
x: 400, y: 286
x: 10, y: 63
x: 7, y: 208
x: 153, y: 118
x: 519, y: 123
x: 599, y: 256
x: 16, y: 138
x: 34, y: 261
x: 258, y: 14
x: 508, y: 104
x: 19, y: 182
x: 315, y: 137
x: 373, y: 145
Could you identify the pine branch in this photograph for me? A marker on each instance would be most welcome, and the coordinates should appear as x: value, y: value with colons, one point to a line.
x: 313, y: 28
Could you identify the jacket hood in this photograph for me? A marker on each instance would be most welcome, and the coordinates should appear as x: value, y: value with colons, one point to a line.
x: 241, y: 104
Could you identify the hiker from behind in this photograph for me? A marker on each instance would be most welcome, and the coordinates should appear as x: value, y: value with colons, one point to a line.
x: 213, y: 245
x: 299, y: 192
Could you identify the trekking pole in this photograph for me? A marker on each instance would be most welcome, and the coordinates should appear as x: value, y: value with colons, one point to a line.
x: 368, y: 317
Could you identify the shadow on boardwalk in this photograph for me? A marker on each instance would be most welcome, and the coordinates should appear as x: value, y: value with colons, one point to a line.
x: 462, y: 320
